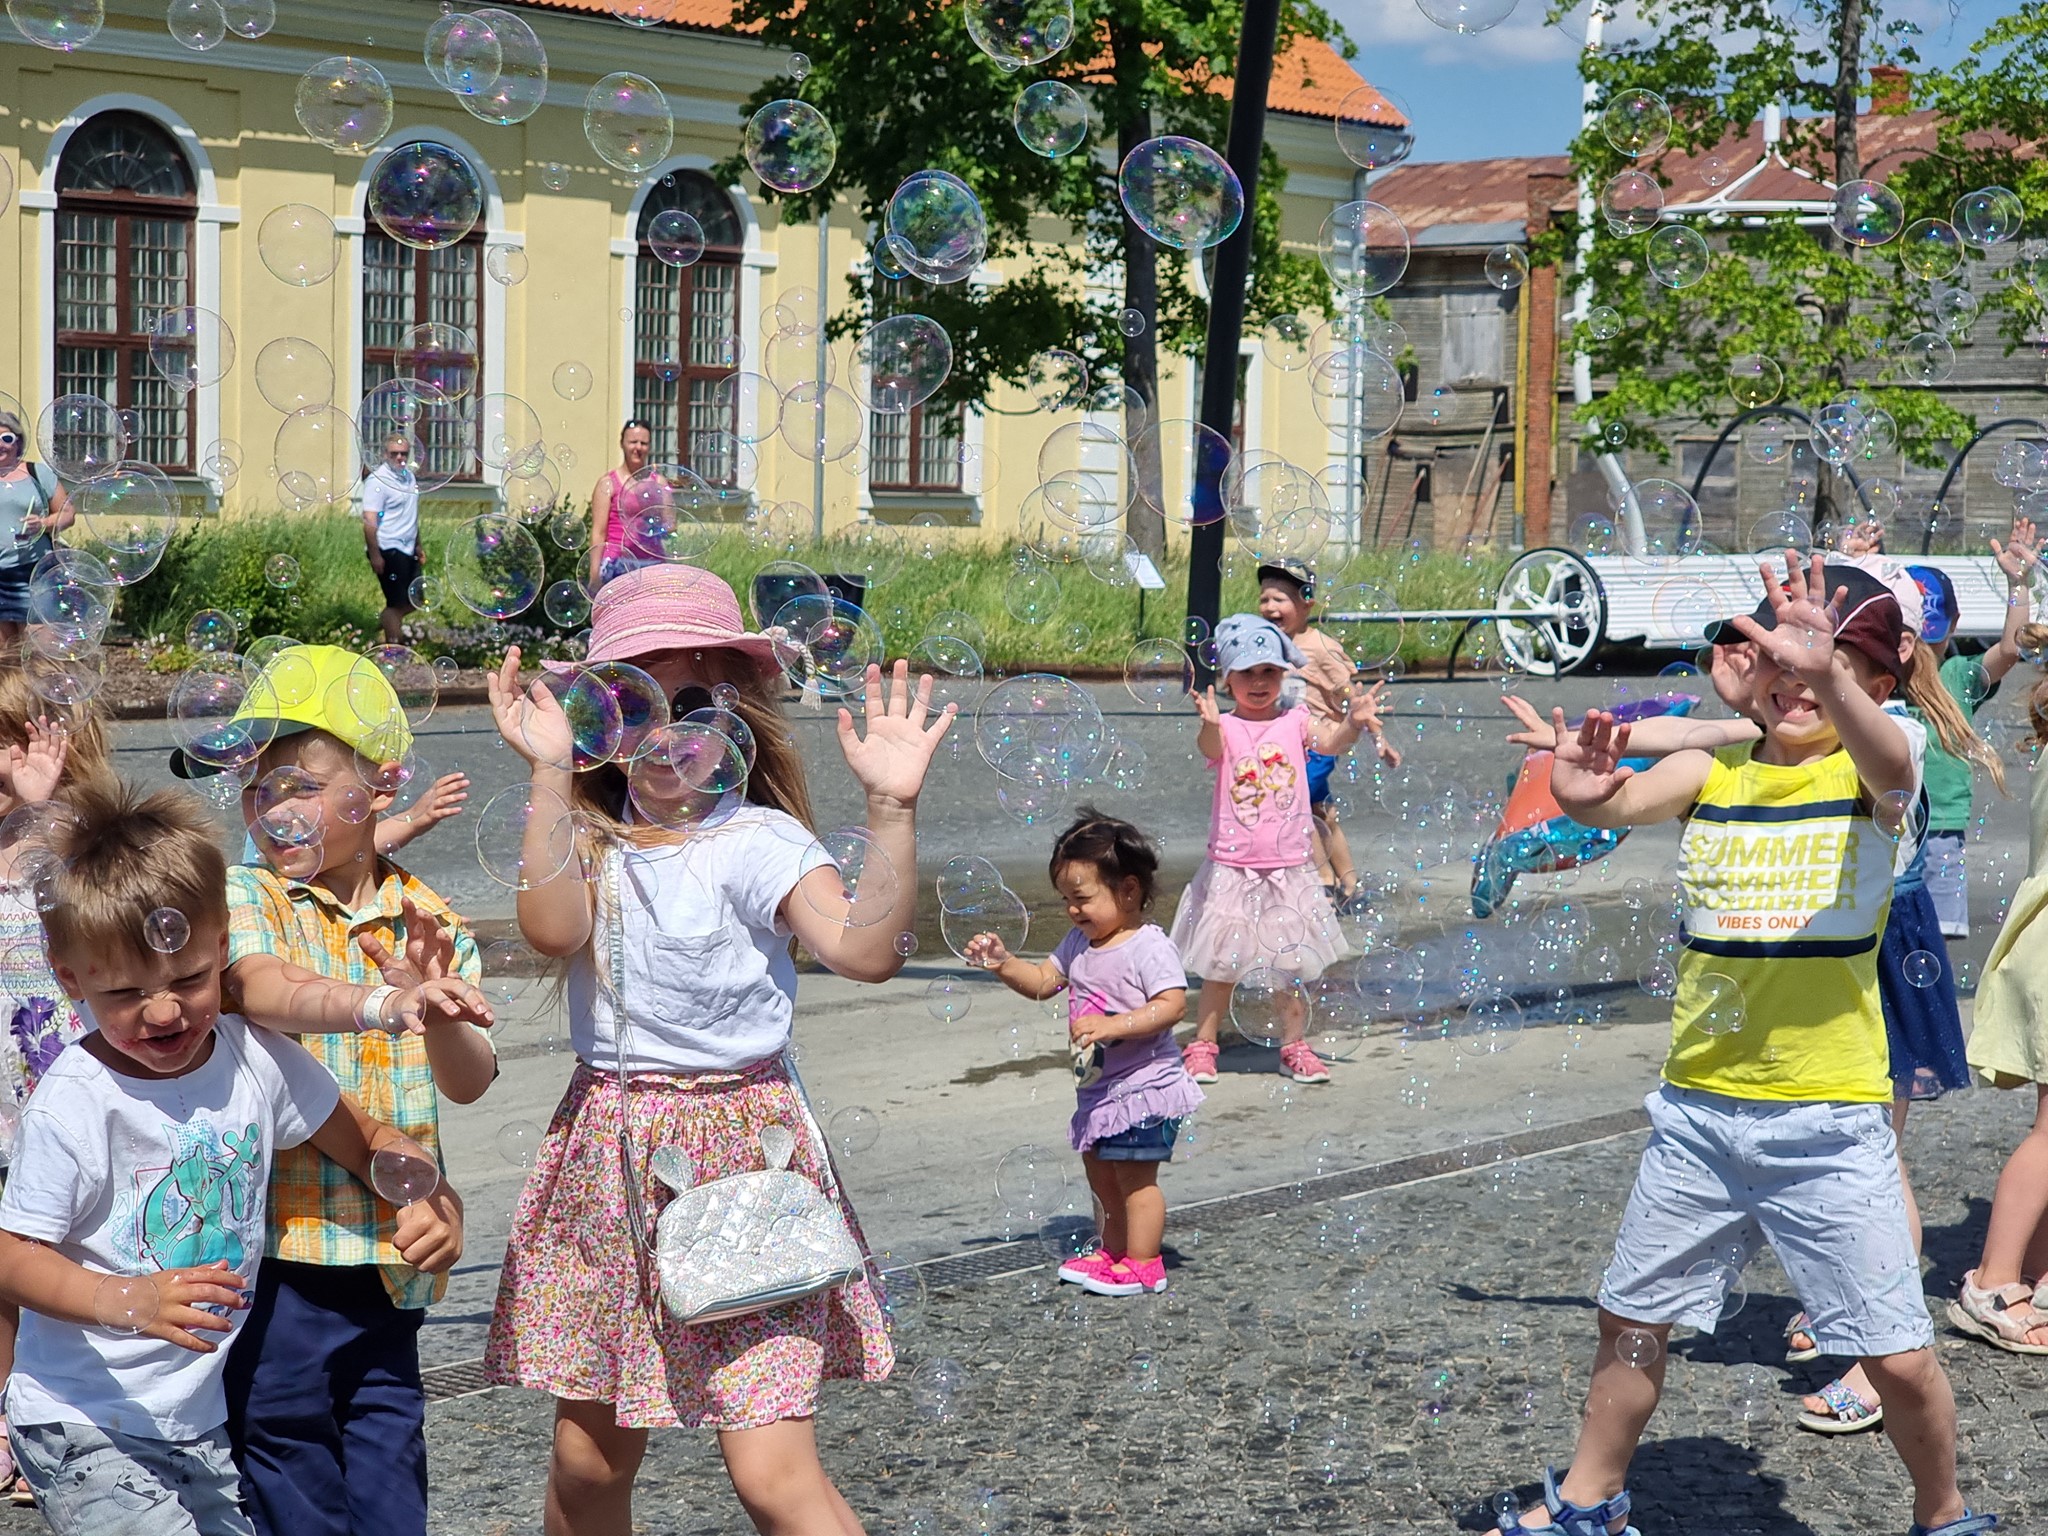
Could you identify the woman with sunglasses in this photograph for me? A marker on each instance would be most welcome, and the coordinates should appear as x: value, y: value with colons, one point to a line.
x: 391, y: 530
x: 32, y: 507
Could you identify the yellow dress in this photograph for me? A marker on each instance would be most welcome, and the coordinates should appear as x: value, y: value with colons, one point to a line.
x: 2009, y: 1043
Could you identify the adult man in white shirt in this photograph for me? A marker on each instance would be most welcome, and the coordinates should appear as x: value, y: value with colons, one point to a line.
x: 391, y: 530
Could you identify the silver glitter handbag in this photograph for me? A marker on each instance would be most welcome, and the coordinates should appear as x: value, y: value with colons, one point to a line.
x: 748, y: 1241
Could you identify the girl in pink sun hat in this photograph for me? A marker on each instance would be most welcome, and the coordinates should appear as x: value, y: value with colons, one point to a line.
x: 681, y: 982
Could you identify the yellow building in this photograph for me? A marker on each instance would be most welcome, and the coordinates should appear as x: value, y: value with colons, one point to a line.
x: 145, y: 172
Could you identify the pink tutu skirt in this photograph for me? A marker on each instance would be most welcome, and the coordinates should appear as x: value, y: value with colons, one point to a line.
x: 579, y: 1315
x: 1233, y: 921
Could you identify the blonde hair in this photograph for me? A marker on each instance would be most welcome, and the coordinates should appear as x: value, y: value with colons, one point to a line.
x: 85, y: 760
x: 2033, y: 641
x: 122, y: 854
x: 1924, y: 691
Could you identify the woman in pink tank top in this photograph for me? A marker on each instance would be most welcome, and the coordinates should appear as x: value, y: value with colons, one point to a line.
x: 608, y: 555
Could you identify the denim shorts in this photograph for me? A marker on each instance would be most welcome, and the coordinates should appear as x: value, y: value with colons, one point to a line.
x: 90, y: 1481
x: 1319, y: 766
x: 1818, y: 1181
x: 1151, y: 1142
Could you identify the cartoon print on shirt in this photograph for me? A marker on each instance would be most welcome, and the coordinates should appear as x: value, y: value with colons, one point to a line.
x: 202, y: 1208
x: 1256, y: 780
x: 1278, y: 776
x: 1244, y: 792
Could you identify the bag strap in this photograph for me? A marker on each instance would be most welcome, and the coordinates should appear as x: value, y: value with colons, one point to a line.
x: 35, y: 480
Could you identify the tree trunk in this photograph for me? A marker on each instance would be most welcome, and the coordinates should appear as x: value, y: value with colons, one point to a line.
x: 1146, y: 525
x: 1848, y: 86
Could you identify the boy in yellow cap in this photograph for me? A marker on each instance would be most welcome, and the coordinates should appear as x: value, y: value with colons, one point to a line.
x: 332, y: 942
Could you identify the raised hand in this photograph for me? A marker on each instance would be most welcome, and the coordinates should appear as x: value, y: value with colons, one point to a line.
x: 429, y: 950
x: 1586, y: 767
x: 1804, y: 641
x: 1536, y: 733
x: 891, y: 760
x: 1205, y: 706
x: 34, y: 772
x: 1731, y: 669
x: 530, y: 720
x: 2020, y: 552
x: 987, y: 951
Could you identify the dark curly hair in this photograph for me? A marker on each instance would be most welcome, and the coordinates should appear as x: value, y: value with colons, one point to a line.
x: 1118, y: 850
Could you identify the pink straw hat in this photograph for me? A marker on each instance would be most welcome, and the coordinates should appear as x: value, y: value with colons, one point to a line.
x: 669, y: 608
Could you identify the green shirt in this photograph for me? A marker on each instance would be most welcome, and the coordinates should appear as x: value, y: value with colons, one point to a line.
x: 1949, y: 790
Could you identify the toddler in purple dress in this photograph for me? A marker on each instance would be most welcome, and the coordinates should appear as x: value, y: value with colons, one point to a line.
x: 1126, y: 989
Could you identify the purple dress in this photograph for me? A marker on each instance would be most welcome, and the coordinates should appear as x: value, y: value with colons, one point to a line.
x: 1142, y: 1080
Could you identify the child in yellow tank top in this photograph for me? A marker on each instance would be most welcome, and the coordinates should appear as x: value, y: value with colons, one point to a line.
x: 1771, y: 1124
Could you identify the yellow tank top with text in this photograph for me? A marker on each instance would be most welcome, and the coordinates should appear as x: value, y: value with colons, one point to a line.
x: 1786, y: 882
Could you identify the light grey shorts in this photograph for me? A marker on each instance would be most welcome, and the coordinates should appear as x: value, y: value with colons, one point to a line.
x: 1819, y: 1182
x: 93, y: 1482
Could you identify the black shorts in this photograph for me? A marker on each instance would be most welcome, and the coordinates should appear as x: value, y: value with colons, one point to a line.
x: 399, y: 570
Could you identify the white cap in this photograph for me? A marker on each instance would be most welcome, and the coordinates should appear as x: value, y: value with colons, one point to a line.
x: 1893, y: 573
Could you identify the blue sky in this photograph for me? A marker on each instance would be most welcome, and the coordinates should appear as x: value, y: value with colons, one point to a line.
x: 1514, y: 90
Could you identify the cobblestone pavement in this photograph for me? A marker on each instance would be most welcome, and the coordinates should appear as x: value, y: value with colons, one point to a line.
x: 1385, y: 1362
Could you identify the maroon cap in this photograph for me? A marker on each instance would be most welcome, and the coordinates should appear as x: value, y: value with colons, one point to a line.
x: 1870, y: 620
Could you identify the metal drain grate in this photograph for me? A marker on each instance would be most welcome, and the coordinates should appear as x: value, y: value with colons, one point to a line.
x: 1019, y: 1255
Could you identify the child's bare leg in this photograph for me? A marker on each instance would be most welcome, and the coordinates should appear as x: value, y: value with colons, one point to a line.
x: 1340, y: 848
x: 1326, y: 872
x: 1144, y: 1208
x: 1102, y: 1182
x: 1293, y: 1016
x: 1619, y: 1402
x: 1920, y: 1416
x: 590, y: 1477
x: 2019, y: 1205
x: 1212, y: 1008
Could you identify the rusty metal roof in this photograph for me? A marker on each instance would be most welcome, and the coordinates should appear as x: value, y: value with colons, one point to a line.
x: 1463, y: 192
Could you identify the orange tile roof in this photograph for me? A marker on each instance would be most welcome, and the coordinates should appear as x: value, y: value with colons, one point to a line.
x: 1310, y: 79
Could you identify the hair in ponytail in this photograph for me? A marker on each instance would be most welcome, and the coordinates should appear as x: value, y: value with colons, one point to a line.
x: 1924, y: 691
x: 1118, y: 850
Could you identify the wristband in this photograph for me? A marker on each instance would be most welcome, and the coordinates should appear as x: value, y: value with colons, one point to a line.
x: 370, y: 1011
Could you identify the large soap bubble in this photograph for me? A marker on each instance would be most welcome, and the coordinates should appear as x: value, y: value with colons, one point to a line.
x: 905, y: 359
x: 315, y: 457
x: 936, y: 228
x: 493, y: 566
x: 522, y: 82
x: 80, y: 436
x: 1373, y: 130
x: 191, y: 347
x: 825, y: 645
x: 675, y: 238
x: 299, y: 244
x: 1051, y: 118
x: 130, y: 509
x: 1364, y: 248
x: 1866, y: 213
x: 1988, y: 216
x: 1636, y: 122
x: 462, y: 53
x: 1018, y: 32
x: 685, y: 776
x: 196, y: 24
x: 1040, y: 729
x: 345, y: 103
x: 1180, y: 192
x: 62, y: 25
x: 1466, y: 15
x: 1678, y: 255
x: 425, y: 195
x: 790, y: 146
x: 627, y: 120
x: 1931, y: 249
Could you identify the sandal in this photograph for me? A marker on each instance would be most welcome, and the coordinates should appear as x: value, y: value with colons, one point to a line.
x: 1849, y: 1411
x: 20, y: 1495
x: 1969, y: 1525
x: 1579, y: 1519
x: 2002, y: 1318
x: 1796, y: 1354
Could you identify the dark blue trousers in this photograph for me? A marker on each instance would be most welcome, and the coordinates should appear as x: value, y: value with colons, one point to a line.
x: 325, y: 1408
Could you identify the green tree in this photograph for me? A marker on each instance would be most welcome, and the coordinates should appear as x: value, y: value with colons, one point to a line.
x: 1834, y: 317
x: 906, y: 88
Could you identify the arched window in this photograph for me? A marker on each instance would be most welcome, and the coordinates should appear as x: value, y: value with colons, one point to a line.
x: 125, y: 208
x: 423, y: 318
x: 686, y: 329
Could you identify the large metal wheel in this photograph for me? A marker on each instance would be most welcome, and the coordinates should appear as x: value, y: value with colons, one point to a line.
x: 1566, y: 608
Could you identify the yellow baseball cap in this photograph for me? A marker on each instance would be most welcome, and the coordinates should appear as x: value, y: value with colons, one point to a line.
x: 307, y: 688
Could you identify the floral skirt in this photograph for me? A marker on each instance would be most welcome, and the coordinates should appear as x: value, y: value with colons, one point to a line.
x: 579, y: 1311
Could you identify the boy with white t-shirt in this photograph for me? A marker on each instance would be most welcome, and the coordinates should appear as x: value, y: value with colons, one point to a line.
x: 132, y: 1224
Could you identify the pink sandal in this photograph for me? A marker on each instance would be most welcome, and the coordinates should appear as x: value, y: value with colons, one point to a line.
x: 2002, y: 1318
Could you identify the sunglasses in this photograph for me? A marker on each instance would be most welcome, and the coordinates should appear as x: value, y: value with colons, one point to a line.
x: 10, y: 439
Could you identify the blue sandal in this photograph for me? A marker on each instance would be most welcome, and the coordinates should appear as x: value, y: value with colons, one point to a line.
x: 1591, y: 1519
x: 1969, y: 1525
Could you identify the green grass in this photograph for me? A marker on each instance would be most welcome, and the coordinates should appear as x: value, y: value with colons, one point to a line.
x: 220, y: 564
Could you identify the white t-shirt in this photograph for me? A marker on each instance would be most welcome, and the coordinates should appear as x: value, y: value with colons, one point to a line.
x: 131, y: 1175
x: 1914, y: 831
x: 708, y: 975
x: 395, y: 497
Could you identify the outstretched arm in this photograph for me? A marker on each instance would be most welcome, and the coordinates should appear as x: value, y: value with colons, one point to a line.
x: 2017, y: 558
x: 443, y: 798
x: 1658, y: 736
x: 1590, y: 785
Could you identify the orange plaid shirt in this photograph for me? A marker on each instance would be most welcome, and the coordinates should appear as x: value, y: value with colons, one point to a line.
x: 319, y: 1212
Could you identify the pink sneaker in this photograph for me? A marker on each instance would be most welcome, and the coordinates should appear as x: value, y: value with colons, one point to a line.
x: 1302, y: 1064
x: 1199, y: 1057
x: 1088, y: 1268
x: 1127, y: 1277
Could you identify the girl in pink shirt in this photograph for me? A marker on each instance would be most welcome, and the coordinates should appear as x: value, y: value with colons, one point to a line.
x: 1255, y: 906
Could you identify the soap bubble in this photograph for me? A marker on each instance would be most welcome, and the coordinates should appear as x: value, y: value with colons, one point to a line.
x: 825, y: 644
x: 790, y: 146
x: 948, y: 999
x: 1678, y: 256
x: 1020, y: 32
x: 821, y: 425
x: 1931, y: 249
x: 1158, y: 674
x: 1866, y: 213
x: 1636, y: 122
x: 1712, y: 1284
x: 686, y: 775
x: 596, y: 725
x: 1364, y: 248
x: 1285, y: 343
x: 868, y: 880
x: 250, y: 18
x: 675, y: 238
x: 462, y: 53
x: 1031, y: 1183
x: 293, y: 374
x: 936, y: 1386
x: 906, y: 359
x: 80, y: 436
x: 345, y: 104
x: 936, y: 228
x: 1719, y: 1007
x: 1491, y: 1025
x: 196, y: 24
x: 316, y: 456
x: 853, y: 1130
x: 125, y: 1304
x: 1040, y: 729
x: 1754, y: 381
x: 62, y: 25
x: 167, y: 930
x: 1058, y: 380
x: 1603, y: 321
x: 202, y: 711
x: 1467, y: 15
x: 1637, y: 1347
x: 509, y: 435
x: 572, y: 380
x: 210, y: 632
x: 425, y: 195
x: 1632, y: 202
x: 493, y: 566
x: 1269, y: 1006
x: 1373, y: 130
x: 524, y: 836
x: 522, y: 80
x: 967, y: 883
x: 441, y: 352
x: 131, y: 512
x: 1051, y: 118
x: 1988, y: 216
x: 1922, y: 968
x: 1507, y: 267
x: 505, y: 265
x: 1180, y: 192
x: 627, y: 120
x: 518, y: 1141
x: 1000, y: 911
x: 403, y: 1172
